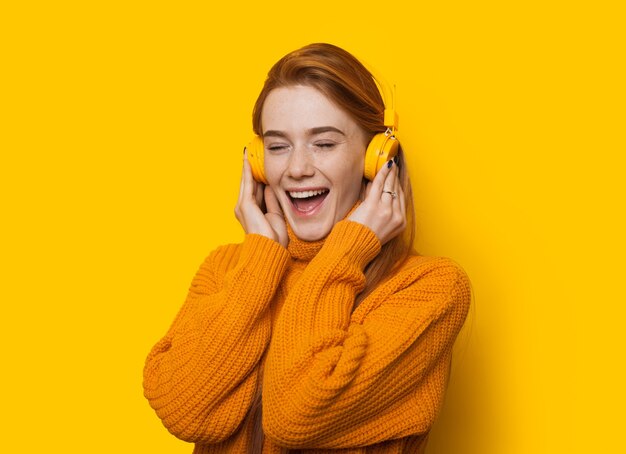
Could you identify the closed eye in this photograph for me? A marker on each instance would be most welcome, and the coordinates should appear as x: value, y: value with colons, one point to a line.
x: 325, y: 145
x: 276, y: 148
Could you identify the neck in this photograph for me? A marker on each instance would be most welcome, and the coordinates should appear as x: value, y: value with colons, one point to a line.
x: 306, y: 250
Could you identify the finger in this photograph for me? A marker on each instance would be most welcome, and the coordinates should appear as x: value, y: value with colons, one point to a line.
x: 397, y: 187
x: 397, y: 181
x: 258, y: 194
x: 390, y: 181
x: 248, y: 180
x: 388, y: 191
x: 379, y: 180
x: 400, y: 210
x: 271, y: 202
x: 401, y: 200
x: 241, y: 181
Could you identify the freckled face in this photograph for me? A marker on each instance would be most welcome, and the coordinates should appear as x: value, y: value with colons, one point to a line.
x: 314, y: 158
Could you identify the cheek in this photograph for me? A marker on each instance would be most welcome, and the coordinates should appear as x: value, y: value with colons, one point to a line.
x: 351, y: 177
x: 357, y: 166
x: 273, y: 170
x: 356, y: 175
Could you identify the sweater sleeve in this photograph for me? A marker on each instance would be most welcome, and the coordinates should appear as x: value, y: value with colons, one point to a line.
x: 336, y: 379
x: 202, y: 376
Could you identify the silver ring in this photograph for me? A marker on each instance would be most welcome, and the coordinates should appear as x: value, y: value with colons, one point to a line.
x: 392, y: 193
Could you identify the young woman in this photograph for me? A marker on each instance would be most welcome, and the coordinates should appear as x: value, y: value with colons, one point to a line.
x: 322, y: 331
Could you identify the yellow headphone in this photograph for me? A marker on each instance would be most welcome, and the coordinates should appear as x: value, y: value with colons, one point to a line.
x: 382, y: 147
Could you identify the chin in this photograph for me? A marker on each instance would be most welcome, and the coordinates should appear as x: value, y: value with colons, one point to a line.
x: 311, y: 232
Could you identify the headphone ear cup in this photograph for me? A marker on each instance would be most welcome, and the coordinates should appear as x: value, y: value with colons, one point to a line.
x: 381, y: 149
x: 255, y: 150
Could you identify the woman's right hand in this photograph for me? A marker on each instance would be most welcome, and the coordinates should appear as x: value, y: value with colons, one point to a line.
x: 249, y: 210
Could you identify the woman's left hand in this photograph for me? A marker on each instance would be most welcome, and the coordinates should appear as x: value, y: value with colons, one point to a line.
x: 383, y: 209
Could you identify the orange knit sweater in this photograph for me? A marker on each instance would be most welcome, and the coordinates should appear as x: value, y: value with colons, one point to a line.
x: 370, y: 380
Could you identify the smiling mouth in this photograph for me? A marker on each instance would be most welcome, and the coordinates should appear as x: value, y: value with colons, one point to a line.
x: 305, y: 202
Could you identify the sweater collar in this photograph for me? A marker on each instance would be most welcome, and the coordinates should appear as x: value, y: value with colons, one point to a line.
x: 300, y: 249
x: 306, y: 250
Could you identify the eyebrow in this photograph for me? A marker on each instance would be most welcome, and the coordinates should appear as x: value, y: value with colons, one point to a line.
x: 309, y: 132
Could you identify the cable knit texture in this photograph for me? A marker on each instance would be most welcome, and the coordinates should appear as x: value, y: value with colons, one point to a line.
x: 333, y: 380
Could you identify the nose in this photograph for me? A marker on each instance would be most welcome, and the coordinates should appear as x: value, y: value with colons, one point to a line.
x: 300, y: 163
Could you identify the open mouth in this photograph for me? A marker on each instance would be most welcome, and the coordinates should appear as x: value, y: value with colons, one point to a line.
x: 305, y: 202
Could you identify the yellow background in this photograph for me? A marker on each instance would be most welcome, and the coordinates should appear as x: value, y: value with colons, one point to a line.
x: 121, y: 137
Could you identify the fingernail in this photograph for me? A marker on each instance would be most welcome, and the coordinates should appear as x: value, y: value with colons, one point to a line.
x: 389, y: 164
x: 244, y: 150
x: 395, y: 159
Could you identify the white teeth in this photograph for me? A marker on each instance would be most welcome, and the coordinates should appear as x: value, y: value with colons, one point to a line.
x: 305, y: 194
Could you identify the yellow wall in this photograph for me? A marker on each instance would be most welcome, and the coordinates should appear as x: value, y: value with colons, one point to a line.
x: 121, y: 136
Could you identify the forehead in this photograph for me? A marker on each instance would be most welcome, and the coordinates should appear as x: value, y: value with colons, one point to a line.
x: 297, y: 108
